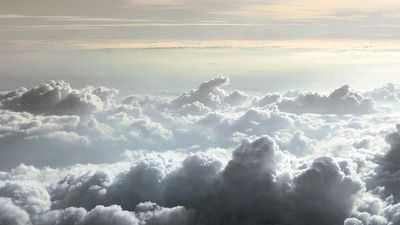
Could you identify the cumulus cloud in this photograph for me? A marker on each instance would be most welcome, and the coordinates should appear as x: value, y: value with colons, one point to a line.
x: 93, y: 119
x: 326, y: 191
x: 236, y: 97
x: 11, y: 214
x: 254, y: 122
x: 249, y: 189
x: 83, y: 190
x: 148, y: 129
x: 29, y: 196
x: 208, y: 156
x: 387, y: 173
x: 298, y: 144
x: 194, y: 184
x: 370, y: 210
x: 363, y: 143
x: 209, y: 93
x: 145, y: 213
x: 343, y: 100
x: 57, y: 97
x: 152, y: 214
x: 388, y: 93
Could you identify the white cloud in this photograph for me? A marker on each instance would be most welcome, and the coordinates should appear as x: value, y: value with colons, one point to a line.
x: 12, y: 214
x: 188, y: 163
x: 388, y: 93
x: 209, y: 94
x: 57, y: 97
x: 29, y: 196
x: 341, y: 101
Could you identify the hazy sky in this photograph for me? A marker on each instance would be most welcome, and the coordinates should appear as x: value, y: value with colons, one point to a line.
x: 141, y: 44
x: 198, y: 19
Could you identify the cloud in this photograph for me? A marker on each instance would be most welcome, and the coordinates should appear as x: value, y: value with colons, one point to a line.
x: 208, y: 94
x: 57, y: 97
x: 143, y: 183
x: 93, y: 119
x: 325, y: 192
x: 371, y: 210
x: 99, y: 215
x: 341, y: 101
x: 146, y: 213
x: 363, y: 143
x: 308, y: 10
x: 388, y: 93
x: 29, y: 196
x: 386, y: 174
x: 152, y: 214
x: 12, y: 214
x: 236, y: 97
x: 86, y: 190
x: 193, y: 184
x: 252, y: 165
x: 207, y: 156
x: 199, y: 188
x: 255, y: 121
x: 148, y: 129
x: 298, y: 144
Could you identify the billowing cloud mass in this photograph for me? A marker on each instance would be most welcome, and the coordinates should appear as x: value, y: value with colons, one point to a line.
x: 341, y: 101
x: 208, y: 156
x: 389, y: 92
x: 57, y: 97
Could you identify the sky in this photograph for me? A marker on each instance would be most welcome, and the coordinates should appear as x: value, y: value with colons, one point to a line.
x: 198, y: 19
x: 284, y: 44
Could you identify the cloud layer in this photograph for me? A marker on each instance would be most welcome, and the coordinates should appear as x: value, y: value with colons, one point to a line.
x: 208, y: 156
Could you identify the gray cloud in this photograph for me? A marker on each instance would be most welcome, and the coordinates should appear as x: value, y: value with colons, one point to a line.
x: 386, y: 174
x: 246, y: 190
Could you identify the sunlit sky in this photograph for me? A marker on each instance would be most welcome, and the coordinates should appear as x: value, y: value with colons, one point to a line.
x: 139, y: 44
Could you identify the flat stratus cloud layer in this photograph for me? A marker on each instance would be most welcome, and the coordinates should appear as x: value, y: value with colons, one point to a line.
x: 367, y: 46
x: 189, y: 19
x: 206, y: 156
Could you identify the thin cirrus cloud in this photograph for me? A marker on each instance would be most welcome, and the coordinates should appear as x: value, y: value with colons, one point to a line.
x: 306, y: 9
x: 131, y: 19
x: 367, y: 46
